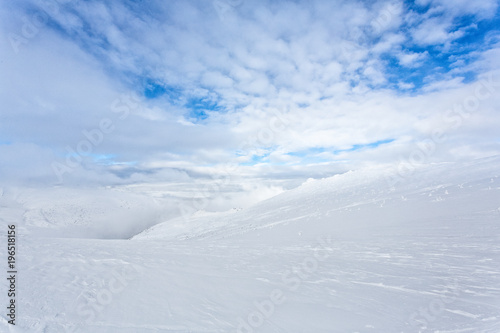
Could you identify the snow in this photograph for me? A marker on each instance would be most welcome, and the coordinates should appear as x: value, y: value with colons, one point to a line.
x: 349, y: 253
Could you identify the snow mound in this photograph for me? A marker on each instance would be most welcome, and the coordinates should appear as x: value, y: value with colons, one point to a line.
x: 357, y: 203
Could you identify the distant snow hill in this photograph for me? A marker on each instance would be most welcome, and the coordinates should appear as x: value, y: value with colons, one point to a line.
x: 106, y: 213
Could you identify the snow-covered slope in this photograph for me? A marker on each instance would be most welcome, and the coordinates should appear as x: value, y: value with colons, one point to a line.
x: 355, y: 204
x: 350, y: 253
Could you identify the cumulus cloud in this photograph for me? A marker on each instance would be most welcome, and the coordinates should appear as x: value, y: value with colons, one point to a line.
x: 133, y: 92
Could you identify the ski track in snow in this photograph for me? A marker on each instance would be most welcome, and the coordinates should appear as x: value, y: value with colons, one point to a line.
x: 347, y: 254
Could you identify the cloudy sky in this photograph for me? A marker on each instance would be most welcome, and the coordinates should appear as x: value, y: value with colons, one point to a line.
x: 143, y: 91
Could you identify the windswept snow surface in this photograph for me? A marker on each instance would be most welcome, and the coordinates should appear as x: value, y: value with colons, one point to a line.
x: 352, y: 253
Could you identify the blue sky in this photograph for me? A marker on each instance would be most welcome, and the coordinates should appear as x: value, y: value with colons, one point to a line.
x: 182, y: 86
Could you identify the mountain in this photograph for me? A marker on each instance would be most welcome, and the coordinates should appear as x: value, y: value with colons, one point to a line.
x: 356, y: 252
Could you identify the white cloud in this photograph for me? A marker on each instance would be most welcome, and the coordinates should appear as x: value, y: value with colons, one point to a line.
x: 433, y: 31
x: 405, y: 86
x: 326, y: 62
x: 437, y: 26
x: 389, y: 17
x: 482, y: 9
x: 444, y: 85
x: 412, y: 59
x: 389, y: 42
